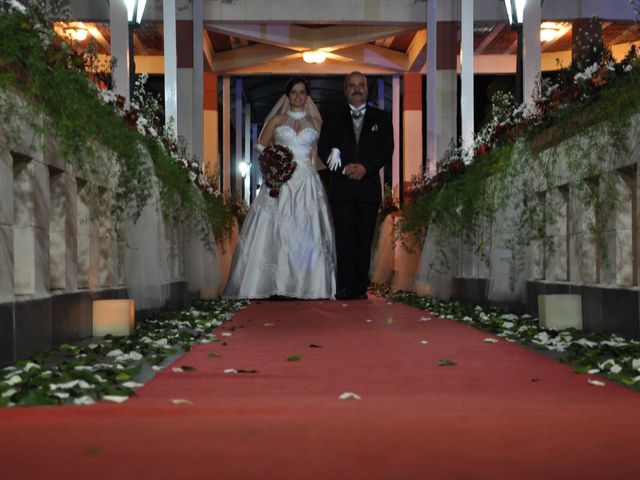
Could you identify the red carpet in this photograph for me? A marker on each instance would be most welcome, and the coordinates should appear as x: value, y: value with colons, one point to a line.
x: 501, y: 412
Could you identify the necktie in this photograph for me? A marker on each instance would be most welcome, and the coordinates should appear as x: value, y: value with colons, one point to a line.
x: 356, y: 114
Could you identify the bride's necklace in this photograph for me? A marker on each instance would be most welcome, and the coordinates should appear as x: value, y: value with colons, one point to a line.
x: 296, y: 115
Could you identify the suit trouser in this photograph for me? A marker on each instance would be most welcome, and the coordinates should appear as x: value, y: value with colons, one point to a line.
x: 354, y: 222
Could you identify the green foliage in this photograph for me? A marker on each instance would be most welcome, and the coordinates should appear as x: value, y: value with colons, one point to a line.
x: 44, y: 87
x: 86, y: 372
x: 577, y: 133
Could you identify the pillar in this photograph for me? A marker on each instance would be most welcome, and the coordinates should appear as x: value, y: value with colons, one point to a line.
x: 170, y: 62
x: 466, y: 75
x: 412, y: 131
x: 210, y: 140
x: 531, y: 50
x: 226, y: 134
x: 442, y: 31
x: 120, y: 47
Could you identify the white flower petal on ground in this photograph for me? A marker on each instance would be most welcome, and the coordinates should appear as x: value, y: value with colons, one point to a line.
x: 115, y: 398
x: 181, y: 401
x: 115, y: 353
x: 84, y: 368
x: 30, y: 365
x: 226, y: 334
x: 490, y: 340
x: 84, y: 400
x: 616, y: 369
x: 424, y: 342
x: 507, y: 325
x: 345, y: 305
x: 596, y: 383
x: 8, y: 393
x: 593, y: 371
x: 269, y: 324
x: 586, y: 343
x: 15, y: 379
x: 177, y: 370
x: 424, y: 319
x: 132, y: 384
x: 635, y: 363
x: 64, y: 386
x: 349, y: 396
x: 157, y: 368
x: 230, y: 370
x: 368, y: 320
x: 62, y: 395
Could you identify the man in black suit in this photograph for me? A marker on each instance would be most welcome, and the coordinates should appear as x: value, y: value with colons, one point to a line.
x: 356, y: 141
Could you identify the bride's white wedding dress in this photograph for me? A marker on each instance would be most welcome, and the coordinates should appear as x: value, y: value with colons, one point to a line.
x: 286, y: 246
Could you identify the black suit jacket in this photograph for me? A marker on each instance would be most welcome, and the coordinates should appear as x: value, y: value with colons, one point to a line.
x: 374, y: 150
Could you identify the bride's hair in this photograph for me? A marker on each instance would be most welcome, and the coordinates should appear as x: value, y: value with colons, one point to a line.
x: 294, y: 81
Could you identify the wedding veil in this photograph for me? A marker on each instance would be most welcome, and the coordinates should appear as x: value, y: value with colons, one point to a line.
x: 282, y: 107
x: 312, y: 113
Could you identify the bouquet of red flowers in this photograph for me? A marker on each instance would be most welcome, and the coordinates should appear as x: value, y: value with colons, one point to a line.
x: 277, y: 167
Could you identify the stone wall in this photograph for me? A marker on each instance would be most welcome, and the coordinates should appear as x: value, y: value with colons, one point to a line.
x: 59, y: 251
x: 607, y: 283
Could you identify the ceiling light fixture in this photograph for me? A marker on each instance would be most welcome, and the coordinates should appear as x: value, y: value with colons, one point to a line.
x: 314, y: 56
x: 76, y: 31
x: 550, y: 31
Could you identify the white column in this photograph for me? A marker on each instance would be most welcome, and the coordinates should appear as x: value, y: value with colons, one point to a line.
x: 226, y: 134
x: 432, y: 45
x: 120, y: 47
x: 198, y: 82
x: 239, y: 129
x: 395, y: 116
x: 531, y: 49
x: 247, y: 151
x: 466, y: 61
x: 170, y: 61
x: 255, y: 167
x: 441, y: 79
x: 381, y: 107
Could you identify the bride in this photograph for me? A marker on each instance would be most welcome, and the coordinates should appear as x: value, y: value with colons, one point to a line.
x: 286, y: 246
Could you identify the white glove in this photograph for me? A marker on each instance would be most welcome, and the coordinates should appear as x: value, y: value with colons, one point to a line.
x: 334, y: 162
x: 259, y: 148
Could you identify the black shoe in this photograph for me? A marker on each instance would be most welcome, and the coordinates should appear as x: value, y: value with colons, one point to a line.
x: 344, y: 295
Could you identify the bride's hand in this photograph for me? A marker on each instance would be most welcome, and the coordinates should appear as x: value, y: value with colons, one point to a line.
x: 334, y: 161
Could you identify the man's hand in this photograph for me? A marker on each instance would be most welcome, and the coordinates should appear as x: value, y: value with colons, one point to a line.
x: 355, y: 171
x: 334, y: 161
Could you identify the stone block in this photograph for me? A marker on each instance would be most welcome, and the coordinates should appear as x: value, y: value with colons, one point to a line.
x: 24, y: 263
x: 83, y: 242
x: 6, y: 188
x: 71, y: 258
x: 6, y: 263
x: 589, y: 261
x: 42, y: 264
x: 23, y: 192
x: 592, y: 320
x: 71, y: 316
x: 624, y: 258
x: 41, y: 196
x: 113, y: 317
x: 620, y: 313
x: 32, y: 327
x: 58, y: 260
x: 560, y: 311
x: 537, y: 254
x: 7, y: 354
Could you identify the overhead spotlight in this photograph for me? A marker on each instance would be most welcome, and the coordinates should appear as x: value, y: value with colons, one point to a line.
x: 76, y: 31
x: 314, y: 56
x: 550, y: 31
